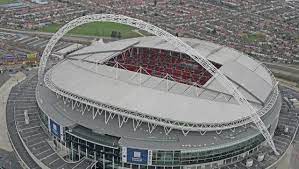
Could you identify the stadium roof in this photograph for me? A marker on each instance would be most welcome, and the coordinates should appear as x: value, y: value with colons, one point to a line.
x: 141, y: 138
x: 80, y: 76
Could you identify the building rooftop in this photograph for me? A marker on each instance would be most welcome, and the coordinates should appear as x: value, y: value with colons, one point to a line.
x: 150, y: 95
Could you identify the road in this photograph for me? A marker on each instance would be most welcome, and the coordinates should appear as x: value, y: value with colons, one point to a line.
x: 294, y: 161
x: 294, y: 68
x: 285, y: 69
x: 71, y: 38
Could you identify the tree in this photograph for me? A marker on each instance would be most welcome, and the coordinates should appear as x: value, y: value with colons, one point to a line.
x: 113, y: 34
x: 214, y: 31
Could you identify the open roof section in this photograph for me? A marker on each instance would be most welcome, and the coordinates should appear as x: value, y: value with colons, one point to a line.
x: 220, y: 55
x: 161, y: 63
x: 203, y: 102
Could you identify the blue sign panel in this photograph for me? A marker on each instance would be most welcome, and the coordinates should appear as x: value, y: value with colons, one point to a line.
x: 9, y: 57
x: 137, y: 156
x: 55, y: 128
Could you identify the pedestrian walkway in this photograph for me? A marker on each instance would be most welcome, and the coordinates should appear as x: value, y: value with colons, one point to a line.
x: 29, y: 135
x: 4, y: 92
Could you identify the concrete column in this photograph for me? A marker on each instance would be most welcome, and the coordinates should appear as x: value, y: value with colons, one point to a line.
x: 112, y: 162
x: 79, y: 151
x: 72, y: 149
x: 104, y: 161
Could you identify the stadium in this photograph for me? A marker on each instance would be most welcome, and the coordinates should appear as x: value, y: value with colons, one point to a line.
x: 147, y: 103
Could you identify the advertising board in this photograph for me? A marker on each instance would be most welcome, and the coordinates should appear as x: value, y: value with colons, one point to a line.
x: 136, y: 156
x: 55, y: 128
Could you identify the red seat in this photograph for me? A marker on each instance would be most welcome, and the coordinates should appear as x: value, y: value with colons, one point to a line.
x: 159, y: 63
x: 149, y: 71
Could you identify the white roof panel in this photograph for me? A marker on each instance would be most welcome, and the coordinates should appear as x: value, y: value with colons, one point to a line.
x: 151, y: 97
x: 70, y: 48
x: 215, y: 85
x: 264, y: 74
x: 99, y: 57
x: 247, y: 79
x: 248, y: 62
x: 223, y: 55
x: 103, y: 47
x: 95, y: 86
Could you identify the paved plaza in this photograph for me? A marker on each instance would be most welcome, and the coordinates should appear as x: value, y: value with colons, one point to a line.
x: 30, y: 139
x: 8, y: 158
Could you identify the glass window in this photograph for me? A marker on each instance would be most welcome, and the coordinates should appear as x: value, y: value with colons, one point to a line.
x: 143, y: 167
x: 127, y: 165
x: 134, y: 166
x: 44, y: 118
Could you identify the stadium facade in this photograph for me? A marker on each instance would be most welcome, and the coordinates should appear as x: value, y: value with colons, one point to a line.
x: 144, y: 103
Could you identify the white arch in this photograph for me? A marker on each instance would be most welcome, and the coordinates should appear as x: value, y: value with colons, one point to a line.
x: 176, y: 42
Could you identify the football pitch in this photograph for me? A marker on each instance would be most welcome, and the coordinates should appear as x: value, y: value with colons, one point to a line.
x: 2, y: 2
x: 101, y: 29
